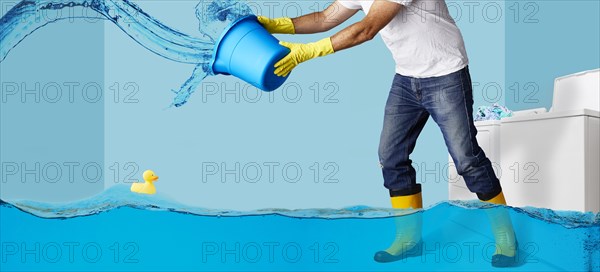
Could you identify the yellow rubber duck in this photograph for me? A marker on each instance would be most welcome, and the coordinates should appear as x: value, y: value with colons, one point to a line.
x: 148, y: 186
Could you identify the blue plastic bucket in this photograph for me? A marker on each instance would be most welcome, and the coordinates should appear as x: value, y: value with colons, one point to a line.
x: 248, y: 51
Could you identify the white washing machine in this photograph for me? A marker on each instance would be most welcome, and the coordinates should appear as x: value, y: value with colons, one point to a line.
x: 549, y: 160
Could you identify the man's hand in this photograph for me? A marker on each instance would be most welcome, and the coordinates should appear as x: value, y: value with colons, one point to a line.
x: 281, y: 25
x: 300, y: 53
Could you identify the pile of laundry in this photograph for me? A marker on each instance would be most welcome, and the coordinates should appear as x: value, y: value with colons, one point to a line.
x: 493, y: 112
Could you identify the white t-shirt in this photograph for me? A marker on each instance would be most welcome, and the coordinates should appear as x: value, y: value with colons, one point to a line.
x: 423, y: 38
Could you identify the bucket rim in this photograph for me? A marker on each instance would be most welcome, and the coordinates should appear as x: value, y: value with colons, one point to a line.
x: 225, y: 31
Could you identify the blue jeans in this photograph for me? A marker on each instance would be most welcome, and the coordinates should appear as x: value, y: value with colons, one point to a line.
x: 449, y: 101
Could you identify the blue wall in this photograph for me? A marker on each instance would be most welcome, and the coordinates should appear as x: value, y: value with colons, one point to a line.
x: 338, y: 134
x: 325, y: 121
x: 52, y: 112
x: 546, y: 40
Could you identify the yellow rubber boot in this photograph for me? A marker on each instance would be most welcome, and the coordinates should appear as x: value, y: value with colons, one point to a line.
x: 504, y: 234
x: 498, y: 199
x: 408, y: 230
x: 407, y: 202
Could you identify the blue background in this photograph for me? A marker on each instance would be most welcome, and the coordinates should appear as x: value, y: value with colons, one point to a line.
x: 131, y: 129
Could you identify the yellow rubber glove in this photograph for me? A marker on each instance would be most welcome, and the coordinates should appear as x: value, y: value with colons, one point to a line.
x: 281, y: 25
x: 300, y: 53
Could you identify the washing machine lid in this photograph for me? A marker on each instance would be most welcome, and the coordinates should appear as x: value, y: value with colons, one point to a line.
x: 486, y: 123
x: 577, y: 91
x: 553, y: 115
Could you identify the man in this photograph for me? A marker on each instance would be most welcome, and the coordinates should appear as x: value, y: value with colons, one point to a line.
x: 432, y: 80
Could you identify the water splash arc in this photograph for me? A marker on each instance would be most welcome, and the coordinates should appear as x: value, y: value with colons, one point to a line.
x: 24, y: 19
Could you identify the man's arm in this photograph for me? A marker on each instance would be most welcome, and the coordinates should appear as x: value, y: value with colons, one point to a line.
x: 380, y: 14
x: 314, y: 22
x: 322, y: 21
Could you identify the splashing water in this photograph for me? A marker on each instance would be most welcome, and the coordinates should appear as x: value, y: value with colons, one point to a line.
x: 119, y: 196
x: 214, y: 16
x: 24, y: 18
x: 160, y: 233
